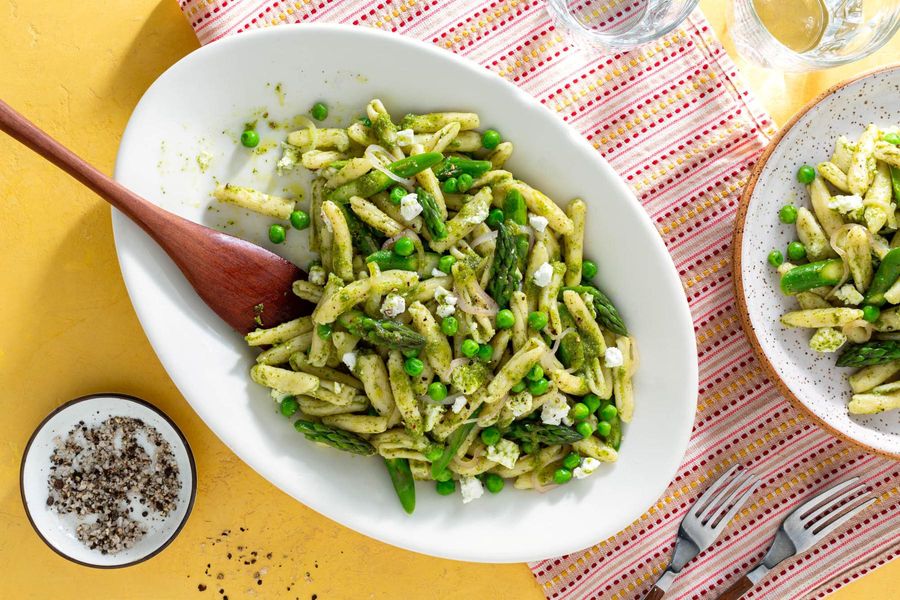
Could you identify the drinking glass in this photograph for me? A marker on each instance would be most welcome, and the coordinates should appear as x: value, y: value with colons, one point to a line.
x: 615, y: 25
x: 802, y: 35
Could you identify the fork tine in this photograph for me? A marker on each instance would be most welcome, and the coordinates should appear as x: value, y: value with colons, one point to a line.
x: 736, y: 503
x: 833, y: 503
x: 720, y: 504
x: 824, y: 529
x: 822, y: 497
x: 709, y: 496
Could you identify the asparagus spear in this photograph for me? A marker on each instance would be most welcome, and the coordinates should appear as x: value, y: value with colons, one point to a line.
x: 812, y: 275
x: 336, y: 438
x: 607, y: 315
x: 404, y: 484
x: 514, y: 207
x: 381, y: 332
x: 454, y: 441
x: 886, y: 275
x: 505, y: 274
x: 454, y: 166
x: 363, y: 237
x: 541, y: 433
x: 388, y: 260
x: 571, y: 349
x: 895, y: 182
x: 874, y: 352
x: 375, y: 181
x: 431, y: 214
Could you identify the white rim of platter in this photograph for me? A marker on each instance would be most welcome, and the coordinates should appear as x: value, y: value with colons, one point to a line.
x: 811, y: 380
x: 198, y: 108
x: 57, y: 531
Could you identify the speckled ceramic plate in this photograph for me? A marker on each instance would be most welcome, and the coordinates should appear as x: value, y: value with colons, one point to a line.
x: 807, y: 378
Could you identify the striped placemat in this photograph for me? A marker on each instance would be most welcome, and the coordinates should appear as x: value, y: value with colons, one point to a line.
x: 675, y: 120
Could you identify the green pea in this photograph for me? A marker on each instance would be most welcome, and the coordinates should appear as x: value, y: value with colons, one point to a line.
x: 806, y: 174
x: 276, y: 234
x: 588, y: 269
x: 444, y: 475
x: 324, y: 331
x: 585, y: 429
x: 871, y: 313
x: 495, y: 217
x: 528, y: 447
x: 464, y: 183
x: 404, y: 246
x: 539, y: 387
x: 796, y: 251
x: 299, y: 219
x: 469, y: 348
x: 494, y: 483
x: 490, y: 436
x: 445, y: 488
x: 788, y: 214
x: 892, y: 138
x: 534, y: 373
x: 445, y: 263
x: 249, y: 138
x: 592, y: 402
x: 365, y: 121
x: 289, y: 406
x: 776, y: 258
x: 571, y: 460
x: 413, y: 367
x: 562, y: 475
x: 537, y: 320
x: 603, y: 428
x: 397, y: 194
x: 505, y: 319
x: 580, y: 412
x: 319, y: 111
x: 518, y: 387
x: 608, y: 412
x: 490, y: 139
x: 485, y: 352
x: 411, y: 353
x: 449, y: 326
x: 450, y: 185
x: 437, y: 391
x: 434, y: 452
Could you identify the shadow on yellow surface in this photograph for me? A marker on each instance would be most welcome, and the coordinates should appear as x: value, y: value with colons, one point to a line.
x: 68, y: 329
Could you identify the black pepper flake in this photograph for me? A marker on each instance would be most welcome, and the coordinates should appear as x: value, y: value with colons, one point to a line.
x: 201, y: 587
x: 97, y: 471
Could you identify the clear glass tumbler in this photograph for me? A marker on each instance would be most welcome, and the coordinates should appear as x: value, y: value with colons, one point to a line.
x: 614, y: 25
x: 803, y: 35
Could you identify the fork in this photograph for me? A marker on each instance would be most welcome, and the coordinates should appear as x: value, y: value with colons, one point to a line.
x: 705, y: 522
x: 808, y: 524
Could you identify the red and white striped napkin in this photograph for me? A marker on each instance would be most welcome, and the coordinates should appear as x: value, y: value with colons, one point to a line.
x: 675, y: 120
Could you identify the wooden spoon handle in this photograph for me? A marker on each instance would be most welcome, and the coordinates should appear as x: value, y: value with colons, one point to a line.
x: 655, y: 593
x: 145, y: 214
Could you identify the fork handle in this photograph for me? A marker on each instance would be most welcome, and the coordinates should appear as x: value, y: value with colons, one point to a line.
x: 737, y: 589
x: 655, y: 593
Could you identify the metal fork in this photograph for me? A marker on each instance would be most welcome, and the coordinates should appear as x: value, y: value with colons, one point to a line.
x: 808, y: 524
x: 705, y: 521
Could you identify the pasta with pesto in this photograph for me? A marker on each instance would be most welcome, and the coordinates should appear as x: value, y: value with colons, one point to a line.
x: 457, y: 332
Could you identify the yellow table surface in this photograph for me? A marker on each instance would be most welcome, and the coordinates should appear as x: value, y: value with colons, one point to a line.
x: 67, y: 329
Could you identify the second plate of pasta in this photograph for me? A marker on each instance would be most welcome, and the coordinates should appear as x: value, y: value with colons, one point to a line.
x: 817, y: 264
x: 483, y: 283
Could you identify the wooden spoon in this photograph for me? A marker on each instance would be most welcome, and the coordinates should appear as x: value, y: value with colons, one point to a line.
x: 246, y: 285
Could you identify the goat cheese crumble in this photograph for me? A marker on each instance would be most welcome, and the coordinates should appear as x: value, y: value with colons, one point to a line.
x: 845, y: 204
x: 446, y: 301
x: 588, y: 465
x: 537, y: 222
x: 431, y: 413
x: 555, y: 410
x: 410, y: 207
x: 317, y: 275
x: 848, y: 294
x: 613, y: 358
x: 349, y: 359
x: 471, y: 488
x: 393, y: 305
x: 542, y: 275
x: 459, y: 404
x: 504, y: 453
